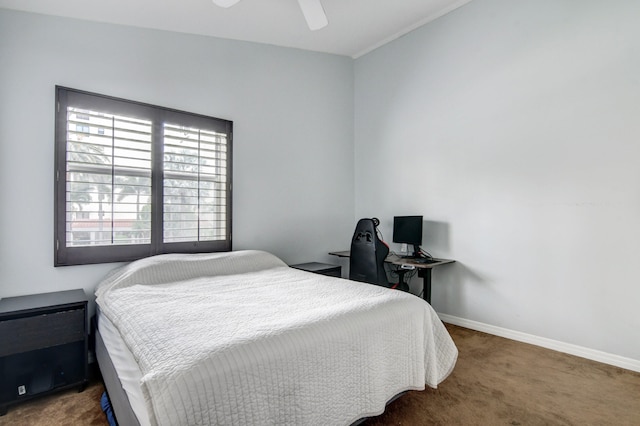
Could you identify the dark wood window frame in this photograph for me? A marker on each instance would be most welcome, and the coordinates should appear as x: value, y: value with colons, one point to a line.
x: 67, y: 254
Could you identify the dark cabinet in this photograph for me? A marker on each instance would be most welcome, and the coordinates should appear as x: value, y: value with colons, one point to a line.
x: 43, y: 345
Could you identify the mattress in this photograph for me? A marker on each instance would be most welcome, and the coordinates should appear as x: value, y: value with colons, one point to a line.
x: 126, y: 367
x: 240, y: 338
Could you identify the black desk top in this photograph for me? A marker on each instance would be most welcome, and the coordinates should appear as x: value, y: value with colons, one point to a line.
x: 398, y: 260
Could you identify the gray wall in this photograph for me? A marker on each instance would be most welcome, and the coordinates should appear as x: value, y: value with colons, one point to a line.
x: 513, y: 127
x: 293, y: 134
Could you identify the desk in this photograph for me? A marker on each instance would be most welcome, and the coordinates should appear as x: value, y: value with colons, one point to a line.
x: 424, y: 269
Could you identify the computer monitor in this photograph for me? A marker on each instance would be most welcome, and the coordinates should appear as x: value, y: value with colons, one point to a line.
x: 408, y: 230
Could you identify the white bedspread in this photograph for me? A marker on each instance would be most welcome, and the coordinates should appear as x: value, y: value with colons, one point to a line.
x: 241, y: 338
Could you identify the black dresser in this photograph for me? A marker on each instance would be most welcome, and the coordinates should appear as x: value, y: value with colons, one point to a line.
x: 43, y: 345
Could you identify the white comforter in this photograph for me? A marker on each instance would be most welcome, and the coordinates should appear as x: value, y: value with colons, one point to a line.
x: 241, y: 338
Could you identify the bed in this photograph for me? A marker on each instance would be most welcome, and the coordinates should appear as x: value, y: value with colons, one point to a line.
x: 240, y: 338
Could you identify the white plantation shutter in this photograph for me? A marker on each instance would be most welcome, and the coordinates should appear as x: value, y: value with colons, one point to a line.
x: 134, y: 180
x: 108, y: 193
x: 195, y: 182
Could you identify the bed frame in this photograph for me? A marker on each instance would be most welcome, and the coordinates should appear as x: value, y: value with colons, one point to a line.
x: 117, y: 396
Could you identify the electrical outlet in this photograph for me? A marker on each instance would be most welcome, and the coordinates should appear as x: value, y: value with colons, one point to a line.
x: 22, y: 389
x: 403, y: 248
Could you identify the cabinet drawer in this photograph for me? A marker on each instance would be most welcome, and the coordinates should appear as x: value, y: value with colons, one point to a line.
x: 41, y: 331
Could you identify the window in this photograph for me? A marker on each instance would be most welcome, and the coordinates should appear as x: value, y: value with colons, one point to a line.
x: 134, y: 180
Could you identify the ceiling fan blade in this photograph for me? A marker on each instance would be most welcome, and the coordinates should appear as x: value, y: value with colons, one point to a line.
x: 314, y: 14
x: 225, y: 3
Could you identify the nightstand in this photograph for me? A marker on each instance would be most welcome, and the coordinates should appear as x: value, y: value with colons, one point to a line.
x: 320, y: 268
x: 43, y: 345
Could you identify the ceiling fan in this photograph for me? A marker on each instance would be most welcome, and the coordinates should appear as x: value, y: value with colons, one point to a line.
x: 311, y: 9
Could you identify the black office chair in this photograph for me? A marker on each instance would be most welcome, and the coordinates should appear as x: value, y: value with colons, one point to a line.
x: 368, y: 252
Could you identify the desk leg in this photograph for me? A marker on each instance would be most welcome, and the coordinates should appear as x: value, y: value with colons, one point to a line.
x: 425, y: 274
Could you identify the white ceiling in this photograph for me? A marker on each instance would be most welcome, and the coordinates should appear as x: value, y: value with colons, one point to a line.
x: 355, y: 26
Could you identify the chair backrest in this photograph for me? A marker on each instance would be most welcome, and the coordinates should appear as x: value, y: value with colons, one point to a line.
x: 368, y: 252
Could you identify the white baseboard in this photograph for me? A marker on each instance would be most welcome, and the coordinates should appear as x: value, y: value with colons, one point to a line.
x: 592, y: 354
